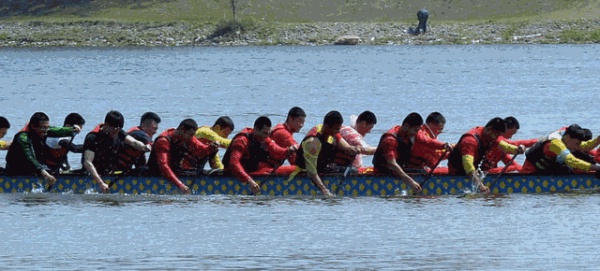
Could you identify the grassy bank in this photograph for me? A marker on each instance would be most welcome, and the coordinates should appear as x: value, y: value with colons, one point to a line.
x: 267, y: 22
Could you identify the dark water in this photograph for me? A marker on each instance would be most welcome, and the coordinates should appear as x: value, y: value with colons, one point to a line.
x: 545, y: 87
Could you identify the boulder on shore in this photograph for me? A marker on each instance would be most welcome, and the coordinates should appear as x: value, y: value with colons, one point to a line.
x: 347, y: 40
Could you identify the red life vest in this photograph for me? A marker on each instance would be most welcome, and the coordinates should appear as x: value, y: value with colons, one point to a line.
x: 257, y: 152
x: 455, y: 164
x: 404, y: 150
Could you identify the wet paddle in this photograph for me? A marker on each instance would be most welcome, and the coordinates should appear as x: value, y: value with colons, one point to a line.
x: 432, y: 169
x: 502, y: 172
x: 261, y: 182
x: 344, y: 176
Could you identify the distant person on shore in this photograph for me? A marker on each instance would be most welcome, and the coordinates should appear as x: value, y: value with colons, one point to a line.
x: 318, y: 148
x: 427, y: 150
x: 102, y: 144
x: 27, y: 153
x: 555, y: 155
x: 172, y: 146
x: 283, y: 133
x: 132, y: 160
x: 355, y: 136
x: 253, y: 151
x: 422, y: 15
x: 395, y: 147
x: 59, y: 146
x: 471, y: 148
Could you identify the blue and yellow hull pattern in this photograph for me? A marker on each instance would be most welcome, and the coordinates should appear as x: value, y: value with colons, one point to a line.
x: 353, y: 185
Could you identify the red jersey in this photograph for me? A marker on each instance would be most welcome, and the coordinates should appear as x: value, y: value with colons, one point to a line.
x: 244, y: 148
x: 426, y: 149
x: 282, y: 135
x: 169, y: 150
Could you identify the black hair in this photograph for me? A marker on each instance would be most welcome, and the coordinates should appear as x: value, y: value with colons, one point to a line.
x: 114, y: 118
x: 413, y: 119
x: 296, y: 112
x: 38, y: 117
x: 435, y: 118
x: 150, y: 116
x: 368, y: 117
x: 74, y: 119
x: 575, y: 131
x: 512, y: 122
x: 188, y: 124
x: 4, y: 123
x: 261, y: 122
x: 333, y: 118
x: 225, y: 122
x: 587, y: 134
x: 497, y: 124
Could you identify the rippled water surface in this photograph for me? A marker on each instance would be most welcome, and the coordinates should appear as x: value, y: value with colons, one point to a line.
x: 545, y: 87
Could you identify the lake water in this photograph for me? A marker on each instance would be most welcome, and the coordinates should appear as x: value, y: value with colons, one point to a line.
x: 544, y: 86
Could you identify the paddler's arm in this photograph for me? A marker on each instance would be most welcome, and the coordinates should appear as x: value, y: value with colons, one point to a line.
x: 399, y: 172
x: 136, y: 144
x: 509, y: 148
x: 557, y: 147
x: 312, y: 148
x: 343, y: 145
x: 88, y: 158
x: 238, y: 147
x: 590, y: 144
x: 63, y: 131
x: 215, y: 162
x: 207, y: 133
x: 4, y: 145
x: 470, y: 147
x: 162, y: 151
x: 467, y: 161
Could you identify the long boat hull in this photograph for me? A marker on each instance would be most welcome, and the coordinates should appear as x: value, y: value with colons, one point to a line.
x: 353, y: 185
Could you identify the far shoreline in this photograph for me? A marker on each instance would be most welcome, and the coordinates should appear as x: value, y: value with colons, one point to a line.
x: 121, y: 34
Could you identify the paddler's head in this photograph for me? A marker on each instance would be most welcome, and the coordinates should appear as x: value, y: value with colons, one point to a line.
x: 332, y: 123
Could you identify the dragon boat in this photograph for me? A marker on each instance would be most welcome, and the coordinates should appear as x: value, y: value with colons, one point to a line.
x: 352, y: 185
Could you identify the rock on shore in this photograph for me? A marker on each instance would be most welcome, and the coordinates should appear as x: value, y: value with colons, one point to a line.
x: 41, y: 34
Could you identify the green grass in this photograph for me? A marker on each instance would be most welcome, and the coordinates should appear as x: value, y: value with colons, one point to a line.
x: 203, y: 11
x: 577, y: 36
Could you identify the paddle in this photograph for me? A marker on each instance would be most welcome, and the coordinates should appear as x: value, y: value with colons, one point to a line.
x: 503, y: 170
x: 432, y: 169
x: 111, y: 182
x: 341, y: 182
x: 261, y: 182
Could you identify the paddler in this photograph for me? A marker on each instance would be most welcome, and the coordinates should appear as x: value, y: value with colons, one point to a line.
x: 172, y: 146
x: 427, y: 150
x: 495, y: 154
x: 102, y: 144
x: 317, y: 152
x: 252, y: 151
x: 472, y: 146
x: 27, y: 153
x: 554, y: 155
x: 131, y: 160
x: 394, y: 150
x: 283, y: 133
